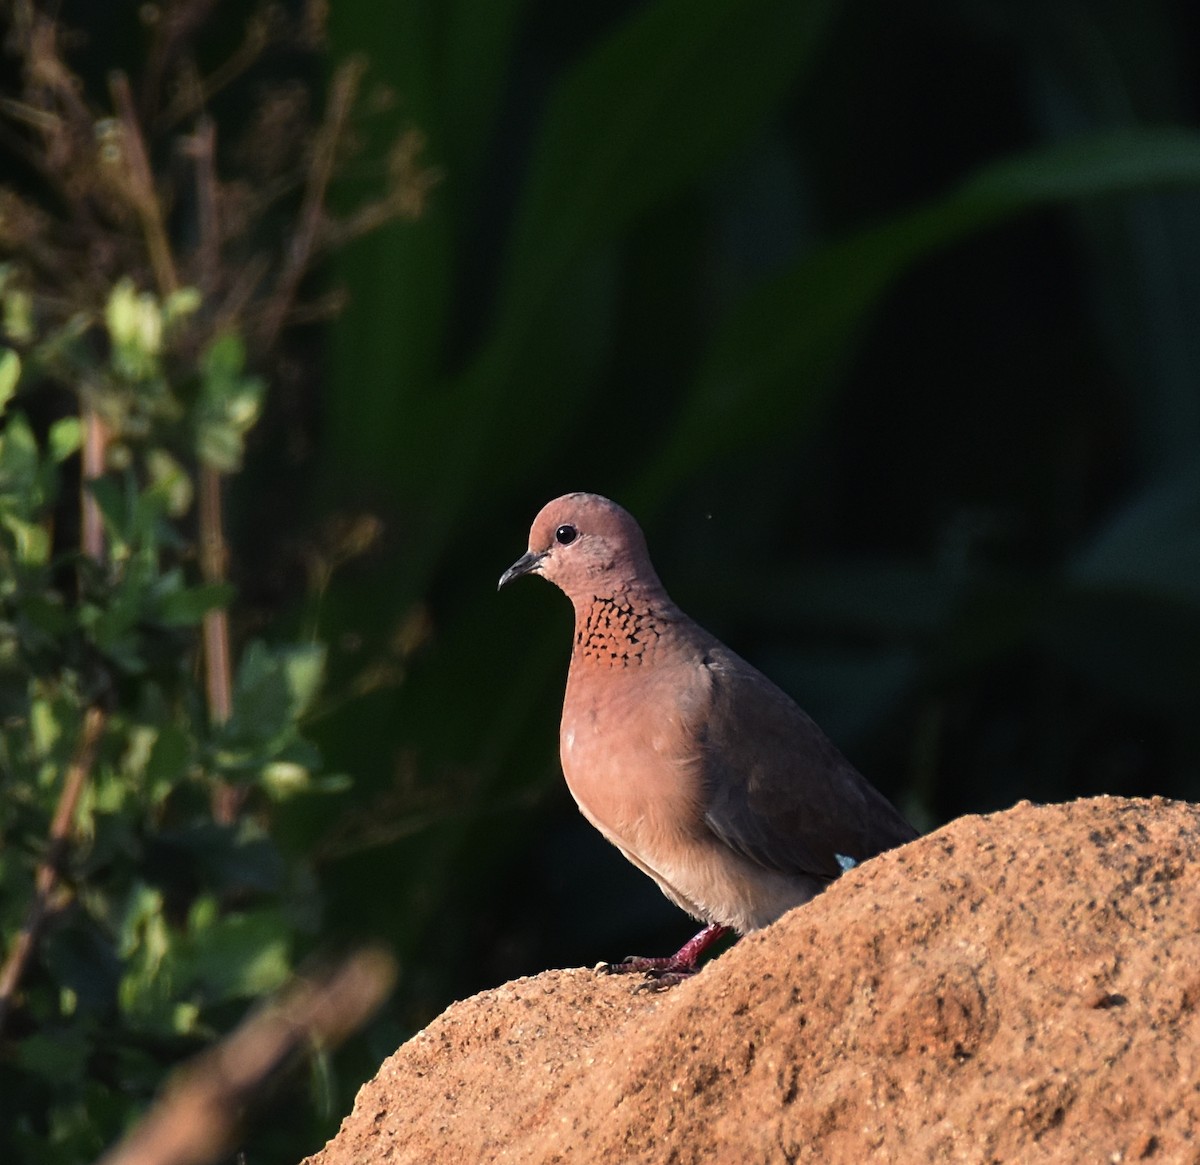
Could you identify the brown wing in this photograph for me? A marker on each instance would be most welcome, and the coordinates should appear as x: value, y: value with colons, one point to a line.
x: 776, y: 788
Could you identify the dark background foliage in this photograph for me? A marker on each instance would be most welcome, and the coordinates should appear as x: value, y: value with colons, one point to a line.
x: 883, y: 320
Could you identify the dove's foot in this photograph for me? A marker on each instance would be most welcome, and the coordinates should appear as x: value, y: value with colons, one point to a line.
x: 666, y: 971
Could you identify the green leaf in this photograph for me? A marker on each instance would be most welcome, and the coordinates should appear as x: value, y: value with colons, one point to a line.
x: 284, y: 779
x: 219, y: 446
x: 18, y: 314
x: 66, y: 436
x: 170, y: 481
x: 31, y: 540
x: 19, y: 464
x: 771, y: 363
x: 1151, y: 546
x: 274, y: 688
x: 44, y: 727
x: 167, y: 764
x: 644, y: 114
x: 59, y: 1056
x: 238, y: 955
x: 299, y: 667
x: 135, y: 324
x: 222, y: 364
x: 143, y: 913
x: 181, y: 304
x: 304, y: 667
x: 185, y: 1018
x: 116, y: 508
x: 1089, y: 166
x: 229, y: 405
x: 10, y: 374
x: 46, y: 612
x: 184, y: 608
x: 204, y: 914
x: 332, y: 783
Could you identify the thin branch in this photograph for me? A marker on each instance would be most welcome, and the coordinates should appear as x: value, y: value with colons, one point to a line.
x: 29, y: 115
x: 176, y: 26
x: 214, y: 551
x: 203, y: 148
x: 39, y: 45
x: 95, y: 442
x: 304, y: 243
x: 140, y: 186
x: 198, y: 1117
x: 227, y: 799
x: 408, y: 188
x: 327, y: 307
x: 54, y: 107
x: 193, y: 98
x: 236, y: 304
x: 49, y: 871
x: 214, y: 557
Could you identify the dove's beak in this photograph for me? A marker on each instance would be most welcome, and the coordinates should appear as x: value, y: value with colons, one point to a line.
x: 524, y: 565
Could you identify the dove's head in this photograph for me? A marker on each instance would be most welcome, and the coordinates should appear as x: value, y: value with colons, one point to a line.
x: 587, y: 546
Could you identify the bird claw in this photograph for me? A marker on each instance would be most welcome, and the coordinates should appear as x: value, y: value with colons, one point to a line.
x: 667, y: 970
x: 634, y: 963
x: 660, y: 973
x: 662, y: 980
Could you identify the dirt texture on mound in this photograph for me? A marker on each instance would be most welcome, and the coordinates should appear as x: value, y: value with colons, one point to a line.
x: 1020, y: 987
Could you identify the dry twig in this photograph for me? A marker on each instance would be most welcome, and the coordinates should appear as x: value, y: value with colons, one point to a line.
x: 198, y: 1117
x: 50, y: 870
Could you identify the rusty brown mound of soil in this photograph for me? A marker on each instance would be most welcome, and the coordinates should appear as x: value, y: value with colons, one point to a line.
x: 1014, y: 988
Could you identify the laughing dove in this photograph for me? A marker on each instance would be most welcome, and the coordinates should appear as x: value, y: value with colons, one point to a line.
x: 702, y: 772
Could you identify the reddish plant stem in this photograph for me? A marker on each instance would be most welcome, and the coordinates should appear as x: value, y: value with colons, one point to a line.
x: 50, y: 870
x: 227, y: 799
x: 214, y: 556
x: 95, y: 443
x: 214, y: 552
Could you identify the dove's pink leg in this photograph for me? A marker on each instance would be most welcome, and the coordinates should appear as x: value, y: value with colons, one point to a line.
x: 672, y: 968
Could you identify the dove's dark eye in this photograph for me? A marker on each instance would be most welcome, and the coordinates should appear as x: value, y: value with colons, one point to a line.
x: 565, y: 535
